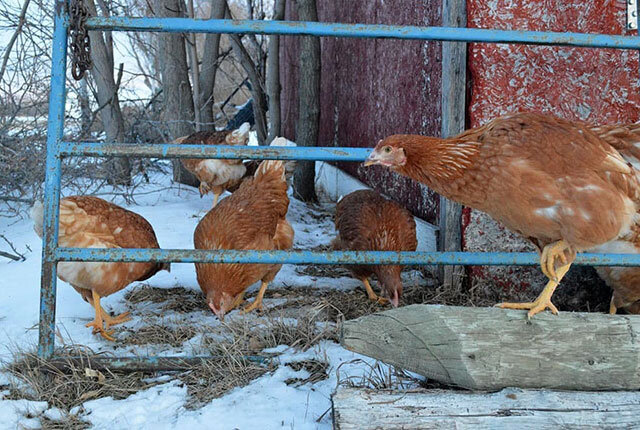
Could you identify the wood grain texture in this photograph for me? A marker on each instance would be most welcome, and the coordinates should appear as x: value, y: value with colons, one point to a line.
x: 454, y: 79
x: 490, y: 348
x: 511, y: 408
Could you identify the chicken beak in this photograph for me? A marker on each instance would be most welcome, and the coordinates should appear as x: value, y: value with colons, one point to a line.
x: 371, y: 160
x: 219, y: 312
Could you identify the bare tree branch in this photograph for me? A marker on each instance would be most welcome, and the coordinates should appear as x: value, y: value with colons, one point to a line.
x: 257, y: 87
x: 12, y: 41
x: 273, y: 76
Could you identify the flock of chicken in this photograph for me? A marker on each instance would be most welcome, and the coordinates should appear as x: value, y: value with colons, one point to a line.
x: 565, y: 186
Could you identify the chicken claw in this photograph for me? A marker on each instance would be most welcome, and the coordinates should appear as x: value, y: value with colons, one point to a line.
x: 372, y: 295
x: 118, y: 319
x: 257, y: 302
x: 97, y: 328
x: 101, y: 316
x: 549, y: 255
x: 544, y: 299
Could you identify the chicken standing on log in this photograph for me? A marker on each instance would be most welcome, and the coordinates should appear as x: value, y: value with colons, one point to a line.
x: 216, y: 175
x: 366, y: 221
x: 90, y: 222
x: 553, y: 181
x: 253, y: 217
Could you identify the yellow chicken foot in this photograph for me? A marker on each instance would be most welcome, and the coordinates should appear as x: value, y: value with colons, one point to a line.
x: 613, y: 309
x: 552, y: 252
x: 118, y: 319
x: 544, y: 299
x: 216, y: 196
x: 373, y: 296
x: 257, y: 302
x: 97, y: 322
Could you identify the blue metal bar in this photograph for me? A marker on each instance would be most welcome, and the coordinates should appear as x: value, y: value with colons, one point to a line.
x: 55, y: 129
x: 332, y: 29
x: 333, y: 257
x: 213, y: 151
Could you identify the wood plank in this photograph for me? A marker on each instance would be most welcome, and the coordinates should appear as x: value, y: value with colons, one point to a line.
x: 454, y: 78
x: 511, y: 408
x: 491, y: 348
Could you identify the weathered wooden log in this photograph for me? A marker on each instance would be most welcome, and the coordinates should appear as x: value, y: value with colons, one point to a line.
x: 364, y: 409
x: 490, y: 348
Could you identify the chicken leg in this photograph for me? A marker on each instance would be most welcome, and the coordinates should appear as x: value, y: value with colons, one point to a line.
x: 548, y: 258
x: 257, y: 302
x: 371, y: 294
x: 97, y: 322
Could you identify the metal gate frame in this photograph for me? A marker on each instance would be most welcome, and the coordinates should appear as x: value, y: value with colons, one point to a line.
x: 57, y: 149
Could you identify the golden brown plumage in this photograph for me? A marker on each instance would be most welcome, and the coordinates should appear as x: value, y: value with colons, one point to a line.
x: 253, y: 217
x: 90, y: 222
x: 625, y: 281
x: 553, y: 181
x: 366, y: 221
x: 217, y: 175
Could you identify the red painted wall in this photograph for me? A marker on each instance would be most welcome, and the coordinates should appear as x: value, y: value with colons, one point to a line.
x: 595, y: 85
x: 372, y: 88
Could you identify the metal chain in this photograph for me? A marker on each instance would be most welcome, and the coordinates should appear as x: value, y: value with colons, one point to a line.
x: 80, y: 44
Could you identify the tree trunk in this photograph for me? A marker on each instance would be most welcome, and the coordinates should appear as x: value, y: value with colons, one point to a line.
x: 273, y: 76
x: 85, y: 108
x: 178, y: 97
x: 308, y: 104
x: 118, y: 170
x: 209, y: 68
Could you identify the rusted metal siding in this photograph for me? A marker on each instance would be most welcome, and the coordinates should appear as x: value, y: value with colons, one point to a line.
x: 373, y: 88
x: 595, y: 85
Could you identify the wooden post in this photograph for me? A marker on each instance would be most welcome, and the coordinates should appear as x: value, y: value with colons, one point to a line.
x: 454, y: 74
x: 512, y: 408
x: 491, y: 348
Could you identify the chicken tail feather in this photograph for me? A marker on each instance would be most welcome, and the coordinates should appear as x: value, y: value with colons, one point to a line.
x: 37, y: 215
x: 270, y: 166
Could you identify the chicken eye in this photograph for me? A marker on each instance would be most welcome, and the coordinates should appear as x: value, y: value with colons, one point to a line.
x: 387, y: 149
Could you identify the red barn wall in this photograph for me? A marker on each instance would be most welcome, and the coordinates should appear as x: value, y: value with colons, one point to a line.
x: 595, y: 85
x: 371, y: 88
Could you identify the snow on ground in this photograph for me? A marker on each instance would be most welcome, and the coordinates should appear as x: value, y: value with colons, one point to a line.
x: 266, y: 403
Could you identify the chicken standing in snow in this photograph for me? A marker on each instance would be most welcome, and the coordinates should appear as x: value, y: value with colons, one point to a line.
x: 253, y: 217
x: 217, y: 175
x: 553, y: 181
x: 366, y: 221
x: 90, y: 222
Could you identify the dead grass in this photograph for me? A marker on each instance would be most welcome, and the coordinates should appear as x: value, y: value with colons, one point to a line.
x: 65, y: 388
x: 176, y: 299
x: 317, y: 372
x: 174, y: 334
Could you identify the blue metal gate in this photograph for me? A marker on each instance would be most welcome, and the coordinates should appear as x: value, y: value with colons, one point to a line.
x: 57, y: 149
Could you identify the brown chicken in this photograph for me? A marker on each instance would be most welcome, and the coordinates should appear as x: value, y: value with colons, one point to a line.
x: 624, y: 281
x: 90, y: 222
x: 217, y: 175
x: 366, y: 221
x: 253, y: 217
x: 553, y: 181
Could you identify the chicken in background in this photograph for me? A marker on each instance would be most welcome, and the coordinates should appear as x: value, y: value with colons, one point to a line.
x: 90, y: 222
x: 624, y: 281
x: 252, y: 165
x: 217, y: 175
x: 253, y: 217
x: 366, y: 221
x: 553, y: 181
